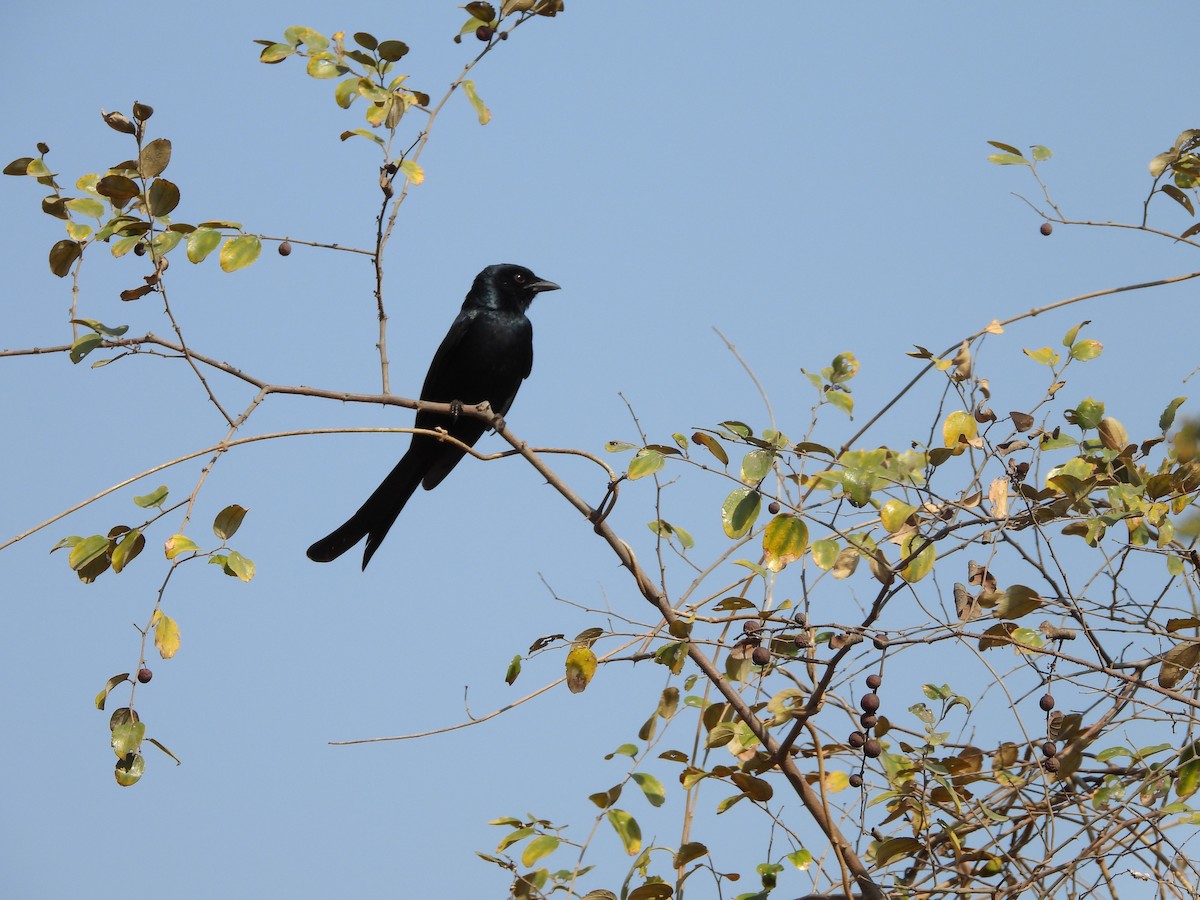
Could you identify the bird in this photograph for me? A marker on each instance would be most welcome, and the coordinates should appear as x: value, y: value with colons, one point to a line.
x: 485, y: 356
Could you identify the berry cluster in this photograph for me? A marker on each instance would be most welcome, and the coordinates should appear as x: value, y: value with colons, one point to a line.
x: 1049, y: 751
x: 869, y: 703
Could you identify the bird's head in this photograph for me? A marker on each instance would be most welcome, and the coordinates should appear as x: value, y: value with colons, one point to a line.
x: 507, y: 286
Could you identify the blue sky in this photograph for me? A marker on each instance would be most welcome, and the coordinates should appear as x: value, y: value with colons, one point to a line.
x: 806, y: 180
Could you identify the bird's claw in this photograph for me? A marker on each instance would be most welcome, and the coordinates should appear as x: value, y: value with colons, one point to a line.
x: 456, y: 408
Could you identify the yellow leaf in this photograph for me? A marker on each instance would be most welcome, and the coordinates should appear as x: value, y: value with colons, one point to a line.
x: 239, y: 252
x: 166, y: 635
x: 894, y: 514
x: 581, y: 666
x: 836, y: 781
x: 177, y: 544
x: 922, y: 563
x: 784, y: 541
x: 482, y: 111
x: 959, y: 430
x: 412, y: 171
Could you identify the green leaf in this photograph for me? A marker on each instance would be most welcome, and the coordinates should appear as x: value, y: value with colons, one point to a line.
x: 85, y: 344
x: 1008, y: 159
x: 627, y: 830
x: 894, y: 848
x: 1017, y: 601
x: 513, y: 837
x: 324, y: 67
x: 1085, y: 350
x: 362, y: 132
x: 755, y: 466
x: 1040, y: 153
x: 801, y: 859
x: 63, y: 255
x: 647, y: 462
x: 1167, y: 419
x: 108, y: 686
x: 228, y: 521
x: 127, y: 738
x: 275, y: 53
x: 239, y: 566
x: 88, y: 551
x: 514, y: 669
x: 202, y: 242
x: 651, y: 787
x: 825, y: 553
x: 346, y: 92
x: 127, y: 549
x: 130, y: 770
x: 841, y: 400
x: 739, y: 512
x: 482, y: 111
x: 154, y: 498
x: 784, y: 541
x: 86, y: 206
x: 239, y: 252
x: 164, y: 242
x: 541, y: 846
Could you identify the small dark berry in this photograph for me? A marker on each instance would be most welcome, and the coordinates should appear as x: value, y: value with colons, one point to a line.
x: 504, y: 35
x: 144, y: 675
x: 1048, y: 748
x: 868, y: 721
x: 484, y: 32
x: 285, y: 249
x: 761, y: 656
x: 139, y: 249
x: 752, y: 626
x: 872, y: 748
x: 1046, y: 228
x: 874, y: 681
x: 880, y: 641
x: 43, y: 148
x: 856, y: 739
x: 801, y: 619
x: 458, y: 39
x: 1052, y: 764
x: 1047, y: 702
x: 869, y: 703
x: 803, y: 640
x: 855, y: 780
x: 773, y: 507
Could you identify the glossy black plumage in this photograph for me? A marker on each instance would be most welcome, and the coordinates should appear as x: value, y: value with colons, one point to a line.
x: 486, y: 355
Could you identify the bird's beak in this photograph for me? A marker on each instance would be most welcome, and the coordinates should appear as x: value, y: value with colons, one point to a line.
x: 543, y: 285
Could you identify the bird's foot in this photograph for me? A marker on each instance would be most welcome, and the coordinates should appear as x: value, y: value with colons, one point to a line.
x: 456, y: 408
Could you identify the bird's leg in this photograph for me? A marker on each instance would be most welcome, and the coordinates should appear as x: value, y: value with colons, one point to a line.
x: 497, y: 422
x: 456, y: 408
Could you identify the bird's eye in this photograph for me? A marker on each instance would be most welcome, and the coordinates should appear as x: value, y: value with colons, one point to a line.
x: 519, y: 278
